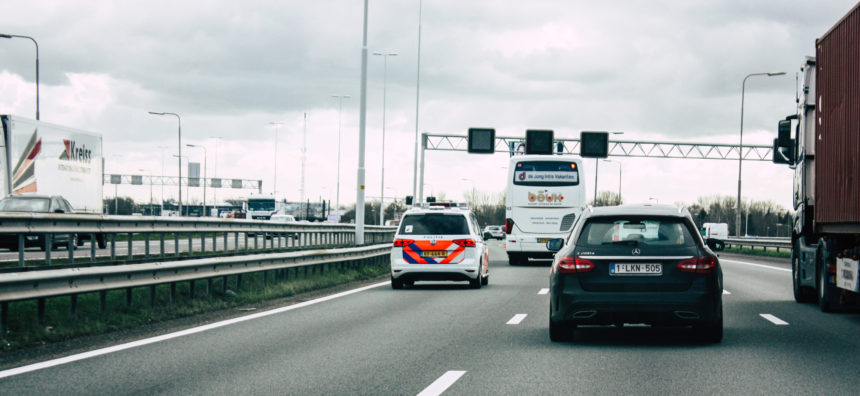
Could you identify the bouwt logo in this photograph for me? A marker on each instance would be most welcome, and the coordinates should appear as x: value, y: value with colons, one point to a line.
x: 544, y: 196
x: 76, y: 153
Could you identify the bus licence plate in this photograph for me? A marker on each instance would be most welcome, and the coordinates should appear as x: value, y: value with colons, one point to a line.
x: 636, y: 269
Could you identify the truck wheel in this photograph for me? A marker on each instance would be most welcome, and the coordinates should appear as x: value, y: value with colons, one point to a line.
x: 824, y: 299
x: 802, y: 294
x: 101, y: 239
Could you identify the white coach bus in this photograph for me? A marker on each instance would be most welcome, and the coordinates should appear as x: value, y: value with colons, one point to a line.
x: 545, y: 196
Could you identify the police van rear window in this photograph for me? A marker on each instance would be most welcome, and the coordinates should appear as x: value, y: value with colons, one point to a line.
x: 434, y: 224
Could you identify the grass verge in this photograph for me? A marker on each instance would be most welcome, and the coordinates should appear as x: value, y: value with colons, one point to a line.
x: 24, y: 331
x: 759, y: 252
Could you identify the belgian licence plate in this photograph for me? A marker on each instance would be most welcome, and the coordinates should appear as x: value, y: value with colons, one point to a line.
x: 543, y: 240
x: 636, y: 269
x: 435, y: 253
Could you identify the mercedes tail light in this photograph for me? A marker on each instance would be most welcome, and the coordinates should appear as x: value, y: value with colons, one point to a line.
x: 569, y: 265
x: 698, y: 265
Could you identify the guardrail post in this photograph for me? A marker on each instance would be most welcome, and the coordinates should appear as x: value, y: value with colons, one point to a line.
x: 191, y: 288
x: 256, y: 245
x: 209, y: 287
x: 203, y: 243
x: 215, y: 242
x: 128, y: 243
x: 225, y: 242
x: 40, y: 311
x: 173, y: 291
x: 146, y: 245
x: 71, y: 245
x: 246, y: 240
x: 161, y: 237
x: 151, y: 296
x: 224, y: 284
x: 113, y: 247
x: 266, y: 278
x: 235, y: 241
x: 92, y: 248
x: 73, y: 306
x: 190, y: 244
x: 128, y: 297
x: 176, y: 244
x: 20, y: 250
x: 238, y: 283
x: 49, y: 245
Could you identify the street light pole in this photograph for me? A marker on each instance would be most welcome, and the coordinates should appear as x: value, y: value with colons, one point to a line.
x: 362, y: 121
x: 275, y: 186
x: 619, y: 178
x: 741, y: 144
x: 417, y: 191
x: 384, y: 88
x: 9, y: 36
x: 596, y: 163
x: 179, y: 156
x: 205, y: 214
x: 340, y: 99
x: 162, y: 179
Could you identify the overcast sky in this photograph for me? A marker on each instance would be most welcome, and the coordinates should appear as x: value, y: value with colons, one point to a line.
x: 657, y: 70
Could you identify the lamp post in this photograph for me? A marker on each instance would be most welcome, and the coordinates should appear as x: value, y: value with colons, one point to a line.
x: 384, y: 88
x: 162, y: 178
x: 9, y: 36
x: 205, y: 213
x: 215, y: 171
x: 362, y: 122
x: 619, y: 178
x: 179, y: 156
x: 275, y: 185
x: 340, y: 99
x: 741, y: 144
x: 596, y: 163
x: 417, y: 191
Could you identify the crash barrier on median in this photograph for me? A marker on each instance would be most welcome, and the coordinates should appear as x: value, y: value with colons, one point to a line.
x: 39, y: 285
x: 763, y: 243
x: 45, y: 229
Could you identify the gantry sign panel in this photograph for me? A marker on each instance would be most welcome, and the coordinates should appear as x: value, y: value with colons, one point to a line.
x: 617, y: 148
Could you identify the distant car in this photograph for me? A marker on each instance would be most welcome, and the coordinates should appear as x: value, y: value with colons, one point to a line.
x: 494, y: 232
x: 635, y: 264
x: 282, y: 218
x: 439, y: 244
x: 31, y: 203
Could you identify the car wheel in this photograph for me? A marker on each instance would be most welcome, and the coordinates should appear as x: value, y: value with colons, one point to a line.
x: 475, y: 283
x: 409, y: 283
x: 560, y: 331
x: 485, y: 280
x: 396, y: 284
x: 802, y: 294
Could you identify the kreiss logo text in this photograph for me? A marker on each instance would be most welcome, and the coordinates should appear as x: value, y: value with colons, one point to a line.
x: 77, y: 153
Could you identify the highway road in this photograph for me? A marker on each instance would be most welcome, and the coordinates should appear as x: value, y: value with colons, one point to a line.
x: 445, y: 337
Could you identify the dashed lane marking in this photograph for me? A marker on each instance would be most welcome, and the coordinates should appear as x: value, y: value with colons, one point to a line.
x: 774, y: 319
x: 517, y: 319
x: 442, y: 383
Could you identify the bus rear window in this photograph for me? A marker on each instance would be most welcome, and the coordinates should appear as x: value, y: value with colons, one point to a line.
x: 546, y: 173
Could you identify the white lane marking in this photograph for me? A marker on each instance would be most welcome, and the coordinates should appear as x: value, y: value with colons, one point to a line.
x: 774, y: 319
x: 543, y: 291
x: 726, y: 291
x: 757, y: 265
x: 442, y: 384
x: 193, y: 330
x: 517, y: 319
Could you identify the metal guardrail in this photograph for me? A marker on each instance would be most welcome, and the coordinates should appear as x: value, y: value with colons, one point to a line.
x: 284, y: 235
x: 764, y: 243
x: 74, y: 281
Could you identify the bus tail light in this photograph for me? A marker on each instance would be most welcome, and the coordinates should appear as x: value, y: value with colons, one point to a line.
x: 509, y: 226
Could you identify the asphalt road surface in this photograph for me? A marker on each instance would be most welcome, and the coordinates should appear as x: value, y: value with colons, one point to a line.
x: 445, y: 337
